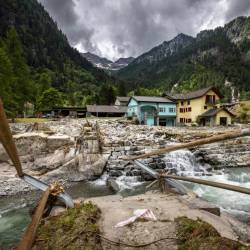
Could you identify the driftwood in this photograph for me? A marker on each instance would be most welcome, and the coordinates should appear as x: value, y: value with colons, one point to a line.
x: 30, y: 233
x: 8, y: 142
x: 179, y: 187
x: 211, y: 183
x: 215, y: 138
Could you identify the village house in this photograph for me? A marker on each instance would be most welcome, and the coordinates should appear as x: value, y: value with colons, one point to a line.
x: 201, y: 107
x: 106, y: 110
x: 151, y: 110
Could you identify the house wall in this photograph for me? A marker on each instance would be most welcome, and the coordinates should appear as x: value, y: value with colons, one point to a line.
x: 146, y: 109
x: 132, y: 108
x: 117, y: 102
x: 197, y: 107
x: 223, y: 113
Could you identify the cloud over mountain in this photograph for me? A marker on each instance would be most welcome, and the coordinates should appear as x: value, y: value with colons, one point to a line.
x: 118, y: 28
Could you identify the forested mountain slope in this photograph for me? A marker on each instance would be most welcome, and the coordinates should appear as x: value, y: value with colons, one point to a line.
x: 211, y: 58
x: 36, y: 57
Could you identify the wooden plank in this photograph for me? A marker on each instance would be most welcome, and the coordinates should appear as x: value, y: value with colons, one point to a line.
x: 215, y: 138
x: 8, y: 142
x: 30, y: 233
x: 172, y: 183
x: 211, y: 183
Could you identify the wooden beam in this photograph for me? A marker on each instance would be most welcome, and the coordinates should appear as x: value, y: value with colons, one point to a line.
x: 30, y: 233
x: 8, y: 142
x: 179, y: 187
x: 215, y: 138
x: 211, y: 183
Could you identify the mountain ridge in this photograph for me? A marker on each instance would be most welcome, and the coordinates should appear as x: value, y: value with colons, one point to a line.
x: 211, y: 57
x: 104, y: 63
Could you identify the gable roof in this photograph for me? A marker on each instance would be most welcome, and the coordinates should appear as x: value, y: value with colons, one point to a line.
x: 106, y: 109
x: 151, y: 99
x: 213, y: 112
x: 123, y: 98
x: 193, y: 94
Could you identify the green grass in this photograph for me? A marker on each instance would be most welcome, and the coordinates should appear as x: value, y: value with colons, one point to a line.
x: 246, y: 104
x: 199, y: 235
x: 30, y: 120
x: 76, y: 228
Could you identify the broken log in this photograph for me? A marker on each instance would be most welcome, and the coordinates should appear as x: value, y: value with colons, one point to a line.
x: 30, y: 233
x: 215, y: 138
x: 210, y: 183
x: 8, y: 142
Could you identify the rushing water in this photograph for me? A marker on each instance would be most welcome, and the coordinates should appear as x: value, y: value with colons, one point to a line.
x: 15, y: 211
x: 235, y: 203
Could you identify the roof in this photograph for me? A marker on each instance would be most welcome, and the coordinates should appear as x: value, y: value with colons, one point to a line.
x: 106, y: 109
x: 123, y: 98
x: 193, y: 94
x: 213, y: 112
x: 65, y: 108
x: 151, y: 99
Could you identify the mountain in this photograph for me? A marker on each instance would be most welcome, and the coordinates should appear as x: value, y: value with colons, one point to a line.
x: 100, y: 62
x: 49, y: 60
x: 122, y: 62
x: 213, y: 57
x: 104, y: 63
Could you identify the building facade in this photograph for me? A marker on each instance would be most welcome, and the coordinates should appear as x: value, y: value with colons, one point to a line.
x: 193, y: 107
x: 106, y: 110
x: 216, y: 117
x: 122, y: 100
x: 150, y: 110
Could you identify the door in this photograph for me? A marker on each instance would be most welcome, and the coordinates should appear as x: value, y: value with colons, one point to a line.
x: 163, y: 122
x: 223, y: 121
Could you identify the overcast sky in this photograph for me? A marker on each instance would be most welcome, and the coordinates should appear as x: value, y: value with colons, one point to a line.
x: 122, y: 28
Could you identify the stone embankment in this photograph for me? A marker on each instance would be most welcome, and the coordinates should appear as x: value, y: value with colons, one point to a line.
x: 67, y: 151
x: 123, y: 139
x: 74, y: 150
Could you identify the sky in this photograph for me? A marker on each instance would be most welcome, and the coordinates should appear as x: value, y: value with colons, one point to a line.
x: 122, y: 28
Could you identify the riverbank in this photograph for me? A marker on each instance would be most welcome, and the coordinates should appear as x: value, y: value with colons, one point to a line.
x: 173, y: 212
x: 69, y: 151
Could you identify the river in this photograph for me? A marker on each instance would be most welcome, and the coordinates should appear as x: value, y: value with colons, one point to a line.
x: 15, y: 215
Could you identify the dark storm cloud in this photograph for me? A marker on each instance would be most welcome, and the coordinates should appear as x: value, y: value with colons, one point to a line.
x: 237, y: 8
x: 63, y: 12
x: 115, y: 28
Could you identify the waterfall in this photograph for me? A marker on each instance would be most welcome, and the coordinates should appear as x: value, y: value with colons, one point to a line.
x: 184, y: 163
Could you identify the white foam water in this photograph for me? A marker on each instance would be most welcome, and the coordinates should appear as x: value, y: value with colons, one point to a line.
x: 184, y: 162
x: 102, y: 180
x: 127, y: 182
x: 235, y: 203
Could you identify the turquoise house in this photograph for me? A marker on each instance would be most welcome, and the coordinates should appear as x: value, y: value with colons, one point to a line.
x: 152, y: 110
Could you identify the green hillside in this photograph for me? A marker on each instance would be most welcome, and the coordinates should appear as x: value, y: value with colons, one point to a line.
x: 211, y: 58
x: 36, y: 60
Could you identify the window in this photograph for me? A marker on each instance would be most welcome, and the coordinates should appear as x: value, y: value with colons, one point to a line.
x: 181, y: 120
x: 188, y: 102
x: 186, y: 109
x: 181, y: 110
x: 210, y: 99
x: 162, y: 109
x: 171, y: 110
x: 189, y: 120
x: 182, y: 103
x: 189, y: 109
x: 205, y: 107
